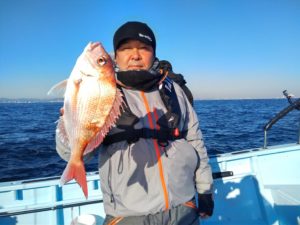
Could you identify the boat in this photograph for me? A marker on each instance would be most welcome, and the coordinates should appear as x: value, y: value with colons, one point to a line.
x: 259, y: 186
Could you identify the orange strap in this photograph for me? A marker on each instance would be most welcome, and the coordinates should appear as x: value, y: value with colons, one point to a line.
x: 115, y: 220
x: 190, y: 204
x: 157, y: 151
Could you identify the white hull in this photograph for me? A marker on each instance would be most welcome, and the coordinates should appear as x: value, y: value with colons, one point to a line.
x: 259, y: 186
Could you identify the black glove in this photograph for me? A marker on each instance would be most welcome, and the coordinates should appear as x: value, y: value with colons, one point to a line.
x: 205, y: 204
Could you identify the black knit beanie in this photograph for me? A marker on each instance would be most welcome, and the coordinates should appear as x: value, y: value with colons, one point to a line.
x: 136, y: 31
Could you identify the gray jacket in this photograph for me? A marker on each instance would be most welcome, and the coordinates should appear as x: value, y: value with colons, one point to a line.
x: 144, y: 178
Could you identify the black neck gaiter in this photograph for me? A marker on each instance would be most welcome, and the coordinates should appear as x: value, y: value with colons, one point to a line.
x: 142, y: 80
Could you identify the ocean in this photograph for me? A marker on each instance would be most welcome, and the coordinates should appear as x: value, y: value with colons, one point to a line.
x: 27, y: 146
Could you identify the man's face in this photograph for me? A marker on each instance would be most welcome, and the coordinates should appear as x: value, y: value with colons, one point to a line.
x: 134, y: 55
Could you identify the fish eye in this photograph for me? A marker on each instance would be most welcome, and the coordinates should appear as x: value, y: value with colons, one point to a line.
x: 101, y: 61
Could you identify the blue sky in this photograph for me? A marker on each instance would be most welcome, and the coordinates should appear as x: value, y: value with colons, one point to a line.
x: 224, y: 48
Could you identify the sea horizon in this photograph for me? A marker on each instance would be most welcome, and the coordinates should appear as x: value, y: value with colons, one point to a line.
x: 35, y: 100
x: 27, y: 132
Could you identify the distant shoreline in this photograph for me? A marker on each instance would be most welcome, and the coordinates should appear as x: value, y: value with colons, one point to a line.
x: 29, y: 100
x: 36, y: 100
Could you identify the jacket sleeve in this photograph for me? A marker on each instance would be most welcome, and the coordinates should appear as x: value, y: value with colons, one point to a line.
x: 203, y: 174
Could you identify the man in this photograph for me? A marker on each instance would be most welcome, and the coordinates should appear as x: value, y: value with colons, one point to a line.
x: 153, y: 162
x: 149, y: 163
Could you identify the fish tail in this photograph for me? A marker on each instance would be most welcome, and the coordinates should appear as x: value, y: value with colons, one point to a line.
x: 77, y: 172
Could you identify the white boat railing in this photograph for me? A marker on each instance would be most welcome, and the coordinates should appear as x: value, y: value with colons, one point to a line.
x: 29, y: 210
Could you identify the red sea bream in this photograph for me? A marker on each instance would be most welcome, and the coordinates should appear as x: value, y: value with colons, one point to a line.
x: 92, y: 104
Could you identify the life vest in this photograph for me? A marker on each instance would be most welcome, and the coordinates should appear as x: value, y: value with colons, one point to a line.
x: 166, y: 66
x: 168, y: 123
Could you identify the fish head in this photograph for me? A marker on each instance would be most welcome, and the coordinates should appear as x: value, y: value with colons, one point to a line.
x: 97, y: 62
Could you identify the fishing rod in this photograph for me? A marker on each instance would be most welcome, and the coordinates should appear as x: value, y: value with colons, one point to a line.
x: 294, y: 104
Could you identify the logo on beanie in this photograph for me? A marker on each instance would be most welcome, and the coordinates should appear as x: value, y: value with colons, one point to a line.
x: 145, y: 36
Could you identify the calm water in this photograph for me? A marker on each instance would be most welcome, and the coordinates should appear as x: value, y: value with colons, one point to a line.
x: 27, y: 147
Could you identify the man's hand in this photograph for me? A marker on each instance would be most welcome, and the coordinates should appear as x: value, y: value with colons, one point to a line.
x: 61, y: 111
x: 205, y: 205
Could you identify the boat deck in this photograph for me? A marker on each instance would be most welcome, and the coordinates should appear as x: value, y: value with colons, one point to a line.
x: 256, y: 186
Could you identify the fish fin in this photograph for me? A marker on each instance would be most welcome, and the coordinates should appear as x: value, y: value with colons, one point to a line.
x: 61, y: 133
x: 75, y: 171
x: 58, y: 89
x: 110, y: 121
x: 62, y: 141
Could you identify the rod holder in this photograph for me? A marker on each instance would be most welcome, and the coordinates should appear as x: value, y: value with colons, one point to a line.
x: 265, y: 139
x: 299, y: 134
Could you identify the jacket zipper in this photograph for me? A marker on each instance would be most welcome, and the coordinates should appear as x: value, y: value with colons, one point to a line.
x: 112, y: 198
